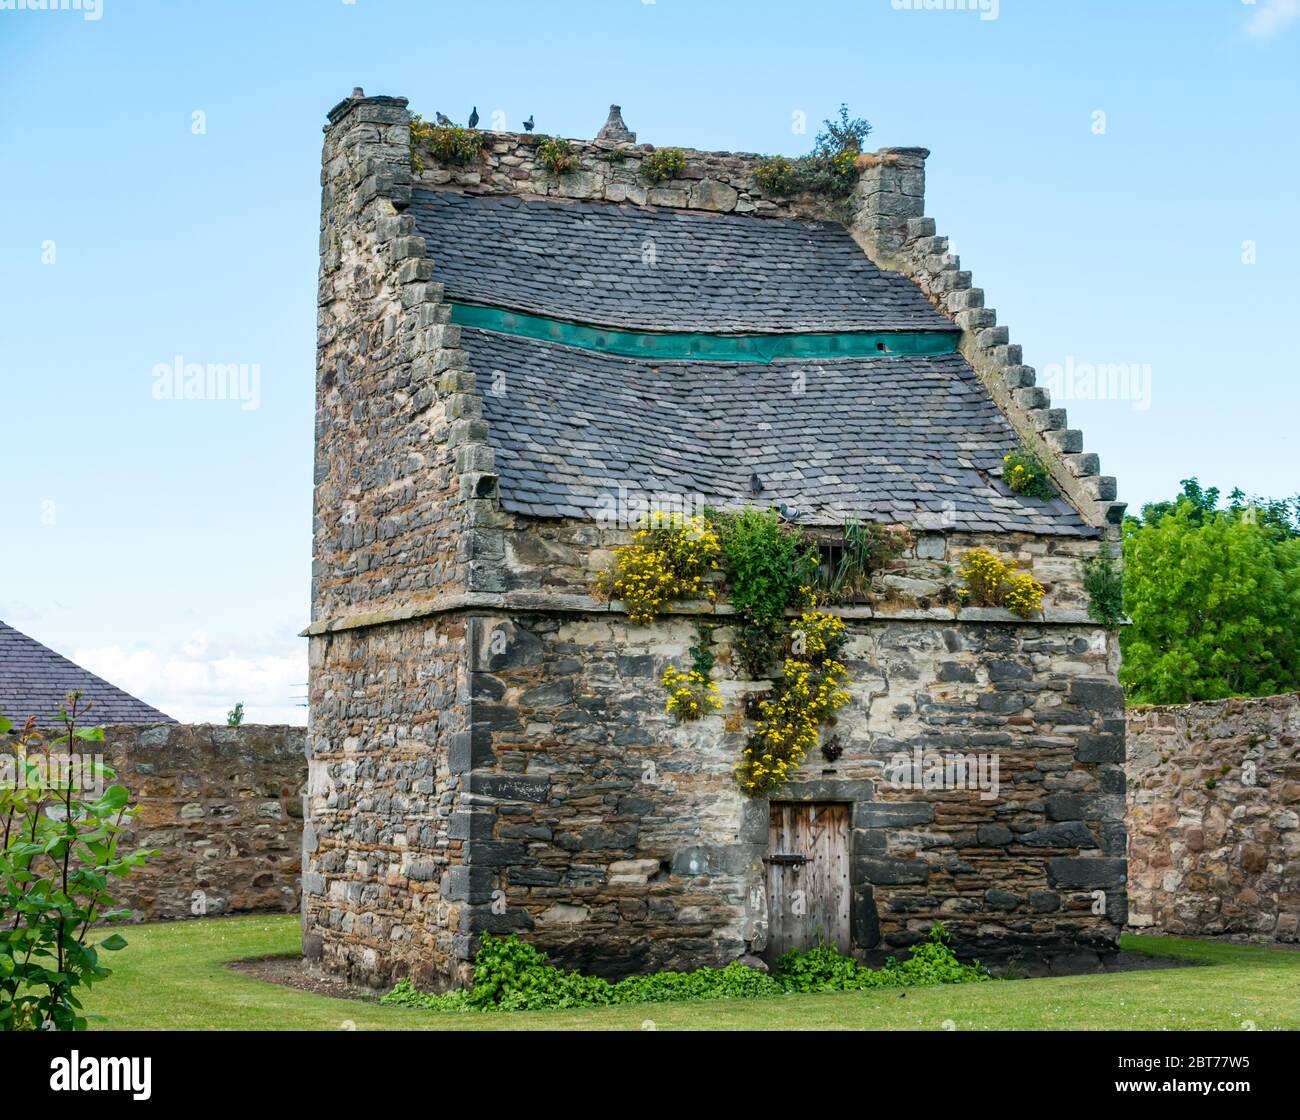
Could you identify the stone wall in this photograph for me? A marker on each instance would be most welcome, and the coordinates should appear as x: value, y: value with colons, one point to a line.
x: 722, y: 182
x: 1214, y: 818
x: 619, y: 841
x: 562, y: 557
x: 383, y: 857
x: 223, y: 805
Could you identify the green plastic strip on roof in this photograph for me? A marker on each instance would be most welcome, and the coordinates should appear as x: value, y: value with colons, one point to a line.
x: 675, y: 347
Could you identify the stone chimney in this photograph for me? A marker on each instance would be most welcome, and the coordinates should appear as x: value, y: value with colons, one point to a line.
x: 614, y: 131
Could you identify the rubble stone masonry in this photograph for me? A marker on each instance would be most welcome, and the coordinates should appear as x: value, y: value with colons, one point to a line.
x: 223, y: 807
x: 1214, y: 814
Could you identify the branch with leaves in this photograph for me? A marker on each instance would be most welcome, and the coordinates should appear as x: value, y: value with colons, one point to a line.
x: 62, y: 822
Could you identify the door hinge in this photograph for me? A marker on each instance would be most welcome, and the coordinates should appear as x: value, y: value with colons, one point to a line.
x: 790, y: 859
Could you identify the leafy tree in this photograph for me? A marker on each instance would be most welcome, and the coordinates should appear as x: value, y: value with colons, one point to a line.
x: 1214, y: 596
x: 1280, y: 516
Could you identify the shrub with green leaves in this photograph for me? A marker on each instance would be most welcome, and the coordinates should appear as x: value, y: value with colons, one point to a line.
x: 830, y: 168
x: 766, y: 563
x: 663, y: 164
x: 511, y: 975
x: 556, y: 155
x: 826, y: 970
x: 448, y: 144
x: 61, y: 825
x: 777, y: 176
x: 1024, y: 473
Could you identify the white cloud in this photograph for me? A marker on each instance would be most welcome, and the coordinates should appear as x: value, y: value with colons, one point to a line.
x: 195, y: 685
x: 1271, y: 17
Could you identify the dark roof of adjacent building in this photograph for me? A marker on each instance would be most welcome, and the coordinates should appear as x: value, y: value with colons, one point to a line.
x: 643, y: 268
x: 34, y: 681
x: 895, y: 439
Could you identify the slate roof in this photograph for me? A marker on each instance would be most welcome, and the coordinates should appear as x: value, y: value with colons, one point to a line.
x: 909, y: 440
x: 34, y: 681
x: 725, y: 273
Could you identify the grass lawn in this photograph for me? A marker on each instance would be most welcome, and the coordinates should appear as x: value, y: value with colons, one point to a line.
x: 172, y: 977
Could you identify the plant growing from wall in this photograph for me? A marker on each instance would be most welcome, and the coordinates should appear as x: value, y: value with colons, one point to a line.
x: 449, y: 144
x: 758, y: 646
x: 777, y: 176
x: 807, y: 694
x: 830, y: 168
x: 768, y: 568
x: 556, y: 155
x: 766, y: 563
x: 864, y: 549
x: 235, y: 717
x: 1103, y: 579
x: 692, y: 693
x: 662, y: 164
x: 1024, y: 473
x: 669, y: 559
x: 61, y: 826
x: 991, y: 582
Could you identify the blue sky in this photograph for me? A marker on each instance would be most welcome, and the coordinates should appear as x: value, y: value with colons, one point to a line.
x: 167, y: 543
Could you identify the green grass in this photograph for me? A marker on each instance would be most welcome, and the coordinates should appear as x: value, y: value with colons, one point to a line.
x: 173, y: 977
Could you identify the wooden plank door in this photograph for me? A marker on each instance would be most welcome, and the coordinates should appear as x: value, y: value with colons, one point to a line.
x: 808, y: 877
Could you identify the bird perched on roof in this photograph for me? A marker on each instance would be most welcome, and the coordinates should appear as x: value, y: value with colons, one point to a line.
x: 473, y: 117
x: 442, y: 119
x: 528, y: 124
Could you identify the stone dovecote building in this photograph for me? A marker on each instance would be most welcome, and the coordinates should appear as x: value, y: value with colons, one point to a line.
x: 508, y: 361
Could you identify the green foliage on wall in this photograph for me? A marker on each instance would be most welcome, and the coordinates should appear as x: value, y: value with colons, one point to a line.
x: 556, y: 155
x: 663, y: 163
x: 830, y: 168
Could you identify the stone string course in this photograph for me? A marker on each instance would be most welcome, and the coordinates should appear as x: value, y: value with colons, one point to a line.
x: 1214, y: 816
x: 488, y: 746
x: 224, y: 807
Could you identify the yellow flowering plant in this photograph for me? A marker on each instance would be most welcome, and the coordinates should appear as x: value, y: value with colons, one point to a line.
x: 809, y: 692
x: 669, y: 559
x: 1024, y: 473
x: 767, y: 570
x: 991, y: 582
x: 690, y: 693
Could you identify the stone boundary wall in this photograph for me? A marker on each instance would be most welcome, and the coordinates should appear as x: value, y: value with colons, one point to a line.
x: 1214, y: 818
x: 223, y: 805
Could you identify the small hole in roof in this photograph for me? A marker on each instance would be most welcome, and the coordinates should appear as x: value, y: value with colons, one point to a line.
x: 883, y: 348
